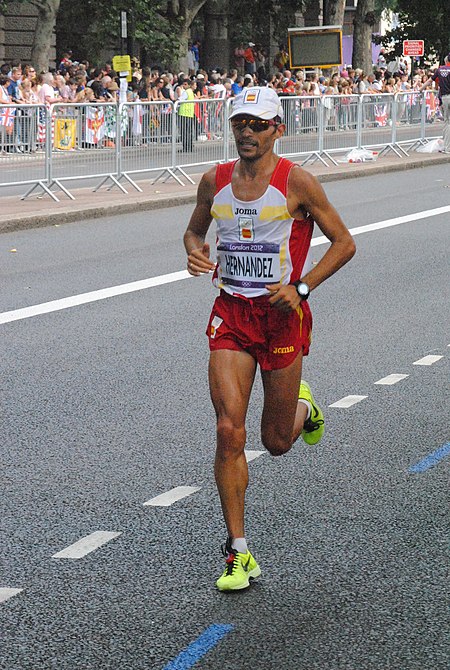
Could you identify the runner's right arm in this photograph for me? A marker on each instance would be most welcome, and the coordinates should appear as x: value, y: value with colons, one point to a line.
x: 198, y: 261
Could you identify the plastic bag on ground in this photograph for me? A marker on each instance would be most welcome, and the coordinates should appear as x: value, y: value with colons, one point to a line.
x: 360, y: 156
x: 431, y: 147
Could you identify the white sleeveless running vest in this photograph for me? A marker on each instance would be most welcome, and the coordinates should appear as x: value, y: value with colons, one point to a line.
x: 258, y: 242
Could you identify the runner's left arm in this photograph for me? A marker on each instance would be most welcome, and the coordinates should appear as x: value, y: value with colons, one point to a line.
x: 313, y: 200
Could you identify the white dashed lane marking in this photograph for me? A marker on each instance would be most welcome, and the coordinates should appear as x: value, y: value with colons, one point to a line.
x: 7, y: 593
x: 87, y: 544
x: 348, y: 401
x: 251, y: 455
x: 172, y: 496
x: 428, y: 360
x: 391, y: 379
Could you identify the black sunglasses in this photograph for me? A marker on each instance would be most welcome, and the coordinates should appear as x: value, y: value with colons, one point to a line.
x: 257, y: 125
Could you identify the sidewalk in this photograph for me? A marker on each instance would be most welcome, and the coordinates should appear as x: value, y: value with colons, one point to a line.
x: 40, y: 210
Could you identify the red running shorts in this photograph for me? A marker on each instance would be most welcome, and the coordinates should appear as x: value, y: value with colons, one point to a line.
x: 272, y: 337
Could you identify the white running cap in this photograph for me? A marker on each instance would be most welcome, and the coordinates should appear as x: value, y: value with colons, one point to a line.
x: 258, y: 101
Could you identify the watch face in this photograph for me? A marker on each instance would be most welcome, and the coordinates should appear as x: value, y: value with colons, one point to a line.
x: 303, y: 290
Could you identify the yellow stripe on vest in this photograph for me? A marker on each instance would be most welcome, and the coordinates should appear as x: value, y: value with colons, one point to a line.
x: 278, y: 213
x: 222, y: 212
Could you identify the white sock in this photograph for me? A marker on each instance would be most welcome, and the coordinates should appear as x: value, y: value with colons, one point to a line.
x: 240, y: 544
x: 308, y: 407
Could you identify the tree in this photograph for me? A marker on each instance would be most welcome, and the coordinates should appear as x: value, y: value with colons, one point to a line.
x: 333, y: 12
x: 427, y: 20
x: 159, y: 28
x: 363, y: 23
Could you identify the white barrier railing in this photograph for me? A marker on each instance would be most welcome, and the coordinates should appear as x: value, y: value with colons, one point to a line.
x: 50, y: 147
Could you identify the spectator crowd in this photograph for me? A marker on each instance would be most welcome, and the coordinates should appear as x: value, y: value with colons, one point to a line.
x: 80, y: 82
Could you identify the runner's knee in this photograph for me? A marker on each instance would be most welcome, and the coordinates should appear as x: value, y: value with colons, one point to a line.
x: 230, y: 438
x: 276, y: 445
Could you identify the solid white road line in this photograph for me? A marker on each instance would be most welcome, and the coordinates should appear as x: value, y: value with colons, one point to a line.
x: 6, y: 594
x: 428, y: 360
x: 93, y: 296
x: 250, y: 455
x: 348, y: 401
x: 87, y: 544
x: 388, y: 223
x: 102, y: 294
x: 391, y: 379
x: 168, y: 498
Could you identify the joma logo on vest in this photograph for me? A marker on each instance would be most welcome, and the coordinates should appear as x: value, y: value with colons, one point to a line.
x: 242, y: 210
x: 283, y: 350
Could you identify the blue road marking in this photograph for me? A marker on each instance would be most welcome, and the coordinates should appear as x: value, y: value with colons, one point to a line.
x: 431, y: 459
x: 199, y: 647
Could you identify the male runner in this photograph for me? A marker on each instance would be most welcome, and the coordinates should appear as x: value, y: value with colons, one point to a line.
x: 265, y: 208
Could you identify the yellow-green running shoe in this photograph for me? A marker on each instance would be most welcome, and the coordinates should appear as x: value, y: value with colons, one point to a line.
x: 314, y: 427
x: 239, y: 570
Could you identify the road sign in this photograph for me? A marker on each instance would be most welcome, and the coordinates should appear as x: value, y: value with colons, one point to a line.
x: 122, y: 65
x: 123, y: 25
x: 413, y: 48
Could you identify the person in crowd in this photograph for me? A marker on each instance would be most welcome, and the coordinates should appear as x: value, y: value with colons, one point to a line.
x: 65, y: 62
x: 196, y: 45
x: 236, y: 88
x: 28, y: 72
x: 14, y: 85
x: 190, y: 60
x: 202, y: 87
x: 239, y: 58
x: 30, y: 116
x: 281, y: 58
x: 47, y: 93
x: 381, y: 59
x: 441, y: 77
x: 6, y: 129
x: 186, y: 114
x: 62, y: 87
x: 250, y: 59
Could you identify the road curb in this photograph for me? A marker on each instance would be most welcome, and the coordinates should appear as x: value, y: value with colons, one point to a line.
x: 26, y: 222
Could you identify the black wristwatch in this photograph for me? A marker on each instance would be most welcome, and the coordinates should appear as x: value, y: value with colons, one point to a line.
x: 302, y: 289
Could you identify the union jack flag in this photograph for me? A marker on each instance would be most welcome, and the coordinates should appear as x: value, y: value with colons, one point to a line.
x: 7, y: 115
x: 380, y: 115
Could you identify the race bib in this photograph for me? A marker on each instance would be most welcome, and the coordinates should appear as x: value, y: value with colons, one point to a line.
x: 249, y: 265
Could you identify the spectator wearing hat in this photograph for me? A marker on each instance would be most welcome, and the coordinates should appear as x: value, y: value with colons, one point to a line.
x: 250, y: 59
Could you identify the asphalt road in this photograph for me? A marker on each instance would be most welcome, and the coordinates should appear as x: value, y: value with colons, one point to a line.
x: 105, y: 406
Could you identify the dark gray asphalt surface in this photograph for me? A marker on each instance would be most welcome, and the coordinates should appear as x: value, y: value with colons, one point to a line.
x: 106, y: 405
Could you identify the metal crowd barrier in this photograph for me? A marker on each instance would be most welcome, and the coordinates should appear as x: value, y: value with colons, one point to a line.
x: 47, y: 147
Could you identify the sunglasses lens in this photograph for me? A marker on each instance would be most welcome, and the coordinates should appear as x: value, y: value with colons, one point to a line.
x: 257, y: 125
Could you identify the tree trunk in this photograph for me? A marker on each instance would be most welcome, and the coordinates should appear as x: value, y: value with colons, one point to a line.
x: 333, y: 12
x: 43, y: 33
x: 362, y: 35
x: 184, y: 11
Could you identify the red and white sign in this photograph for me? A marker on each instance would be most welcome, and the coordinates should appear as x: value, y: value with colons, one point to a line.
x: 413, y: 48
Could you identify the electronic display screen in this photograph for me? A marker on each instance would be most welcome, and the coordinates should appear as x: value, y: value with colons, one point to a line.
x: 315, y: 49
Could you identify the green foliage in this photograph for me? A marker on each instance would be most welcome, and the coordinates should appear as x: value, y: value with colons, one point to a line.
x: 253, y: 24
x: 427, y: 20
x: 97, y: 28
